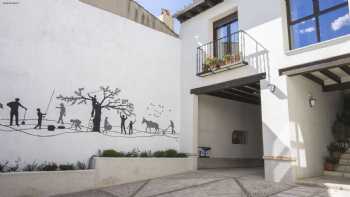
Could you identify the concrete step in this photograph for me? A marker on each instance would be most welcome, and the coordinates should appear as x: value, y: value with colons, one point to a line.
x: 337, y: 174
x: 344, y: 162
x: 342, y: 168
x: 345, y: 156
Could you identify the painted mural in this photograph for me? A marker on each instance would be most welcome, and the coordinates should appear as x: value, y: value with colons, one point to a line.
x: 103, y: 104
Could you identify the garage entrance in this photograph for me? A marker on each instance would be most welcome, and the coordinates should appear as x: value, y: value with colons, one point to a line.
x: 230, y: 124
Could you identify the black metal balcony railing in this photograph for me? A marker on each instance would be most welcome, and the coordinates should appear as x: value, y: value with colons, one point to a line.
x: 225, y: 53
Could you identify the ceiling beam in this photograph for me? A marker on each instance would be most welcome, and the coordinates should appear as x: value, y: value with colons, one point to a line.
x: 247, y: 97
x: 237, y: 90
x: 334, y: 87
x: 233, y: 97
x: 345, y: 68
x: 316, y: 65
x: 331, y: 75
x: 314, y: 78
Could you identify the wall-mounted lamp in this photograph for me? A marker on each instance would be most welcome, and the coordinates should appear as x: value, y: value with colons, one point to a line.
x: 272, y: 87
x: 312, y: 101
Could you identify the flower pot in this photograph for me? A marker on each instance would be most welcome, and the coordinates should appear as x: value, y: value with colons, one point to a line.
x: 329, y: 166
x: 336, y: 154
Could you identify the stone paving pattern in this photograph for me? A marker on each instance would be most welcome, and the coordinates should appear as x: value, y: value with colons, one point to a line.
x: 212, y: 183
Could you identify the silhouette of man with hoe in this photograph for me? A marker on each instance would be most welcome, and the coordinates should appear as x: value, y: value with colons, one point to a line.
x: 122, y: 124
x: 14, y: 105
x: 62, y: 113
x: 40, y: 118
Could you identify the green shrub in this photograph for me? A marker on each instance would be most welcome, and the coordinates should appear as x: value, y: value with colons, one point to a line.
x: 181, y: 155
x: 112, y: 153
x: 48, y: 167
x: 159, y: 154
x: 81, y: 165
x: 145, y: 154
x: 65, y: 167
x: 3, y: 166
x: 31, y: 167
x: 133, y: 153
x: 171, y: 153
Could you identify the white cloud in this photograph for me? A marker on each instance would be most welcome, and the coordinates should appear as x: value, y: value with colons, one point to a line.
x: 307, y: 30
x: 341, y: 22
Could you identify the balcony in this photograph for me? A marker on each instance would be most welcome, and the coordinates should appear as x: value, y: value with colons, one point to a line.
x: 226, y: 53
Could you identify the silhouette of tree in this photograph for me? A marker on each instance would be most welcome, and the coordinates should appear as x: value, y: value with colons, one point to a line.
x: 108, y: 100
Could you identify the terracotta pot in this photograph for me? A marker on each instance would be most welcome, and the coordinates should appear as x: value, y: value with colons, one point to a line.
x: 336, y: 154
x: 329, y: 166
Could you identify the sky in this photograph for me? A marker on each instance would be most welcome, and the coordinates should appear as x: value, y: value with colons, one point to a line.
x: 155, y: 6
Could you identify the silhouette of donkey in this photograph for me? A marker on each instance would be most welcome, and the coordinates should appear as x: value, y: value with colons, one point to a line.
x: 150, y: 125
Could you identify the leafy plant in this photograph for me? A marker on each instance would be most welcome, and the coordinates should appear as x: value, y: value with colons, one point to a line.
x: 52, y: 166
x: 81, y: 165
x: 3, y: 166
x: 181, y: 155
x: 112, y: 153
x: 65, y: 167
x: 31, y: 167
x: 331, y: 160
x: 146, y: 154
x: 170, y: 153
x: 159, y: 154
x: 133, y: 153
x: 15, y: 167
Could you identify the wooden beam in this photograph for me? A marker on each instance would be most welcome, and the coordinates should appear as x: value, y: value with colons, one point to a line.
x: 232, y: 97
x: 229, y: 84
x: 334, y: 87
x: 236, y: 90
x: 246, y: 97
x: 314, y: 78
x: 256, y: 86
x: 331, y: 75
x: 346, y: 69
x: 316, y: 65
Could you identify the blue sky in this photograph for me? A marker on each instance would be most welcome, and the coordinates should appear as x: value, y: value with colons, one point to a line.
x: 155, y: 6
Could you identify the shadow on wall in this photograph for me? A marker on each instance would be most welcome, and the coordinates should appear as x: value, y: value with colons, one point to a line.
x: 311, y: 127
x: 276, y: 170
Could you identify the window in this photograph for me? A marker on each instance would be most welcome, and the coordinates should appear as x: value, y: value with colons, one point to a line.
x: 226, y: 35
x: 313, y: 21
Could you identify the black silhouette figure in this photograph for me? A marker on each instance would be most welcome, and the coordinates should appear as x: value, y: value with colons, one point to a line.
x: 107, y: 125
x: 172, y: 127
x: 40, y: 119
x: 14, y: 105
x: 62, y: 113
x: 75, y: 123
x: 131, y: 127
x: 108, y: 100
x: 1, y: 106
x: 122, y: 124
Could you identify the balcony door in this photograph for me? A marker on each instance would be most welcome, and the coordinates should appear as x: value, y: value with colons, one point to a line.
x: 226, y: 36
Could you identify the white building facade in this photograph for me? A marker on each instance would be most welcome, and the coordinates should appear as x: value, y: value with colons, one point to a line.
x: 295, y: 135
x: 61, y: 52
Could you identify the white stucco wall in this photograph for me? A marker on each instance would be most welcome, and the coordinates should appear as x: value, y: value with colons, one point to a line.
x: 65, y: 45
x: 266, y: 22
x: 311, y: 127
x: 219, y: 117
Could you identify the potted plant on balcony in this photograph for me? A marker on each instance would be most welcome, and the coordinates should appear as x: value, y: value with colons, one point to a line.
x: 228, y: 59
x: 330, y: 163
x: 211, y: 64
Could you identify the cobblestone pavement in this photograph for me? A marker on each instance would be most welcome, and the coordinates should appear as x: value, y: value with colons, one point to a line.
x: 211, y: 183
